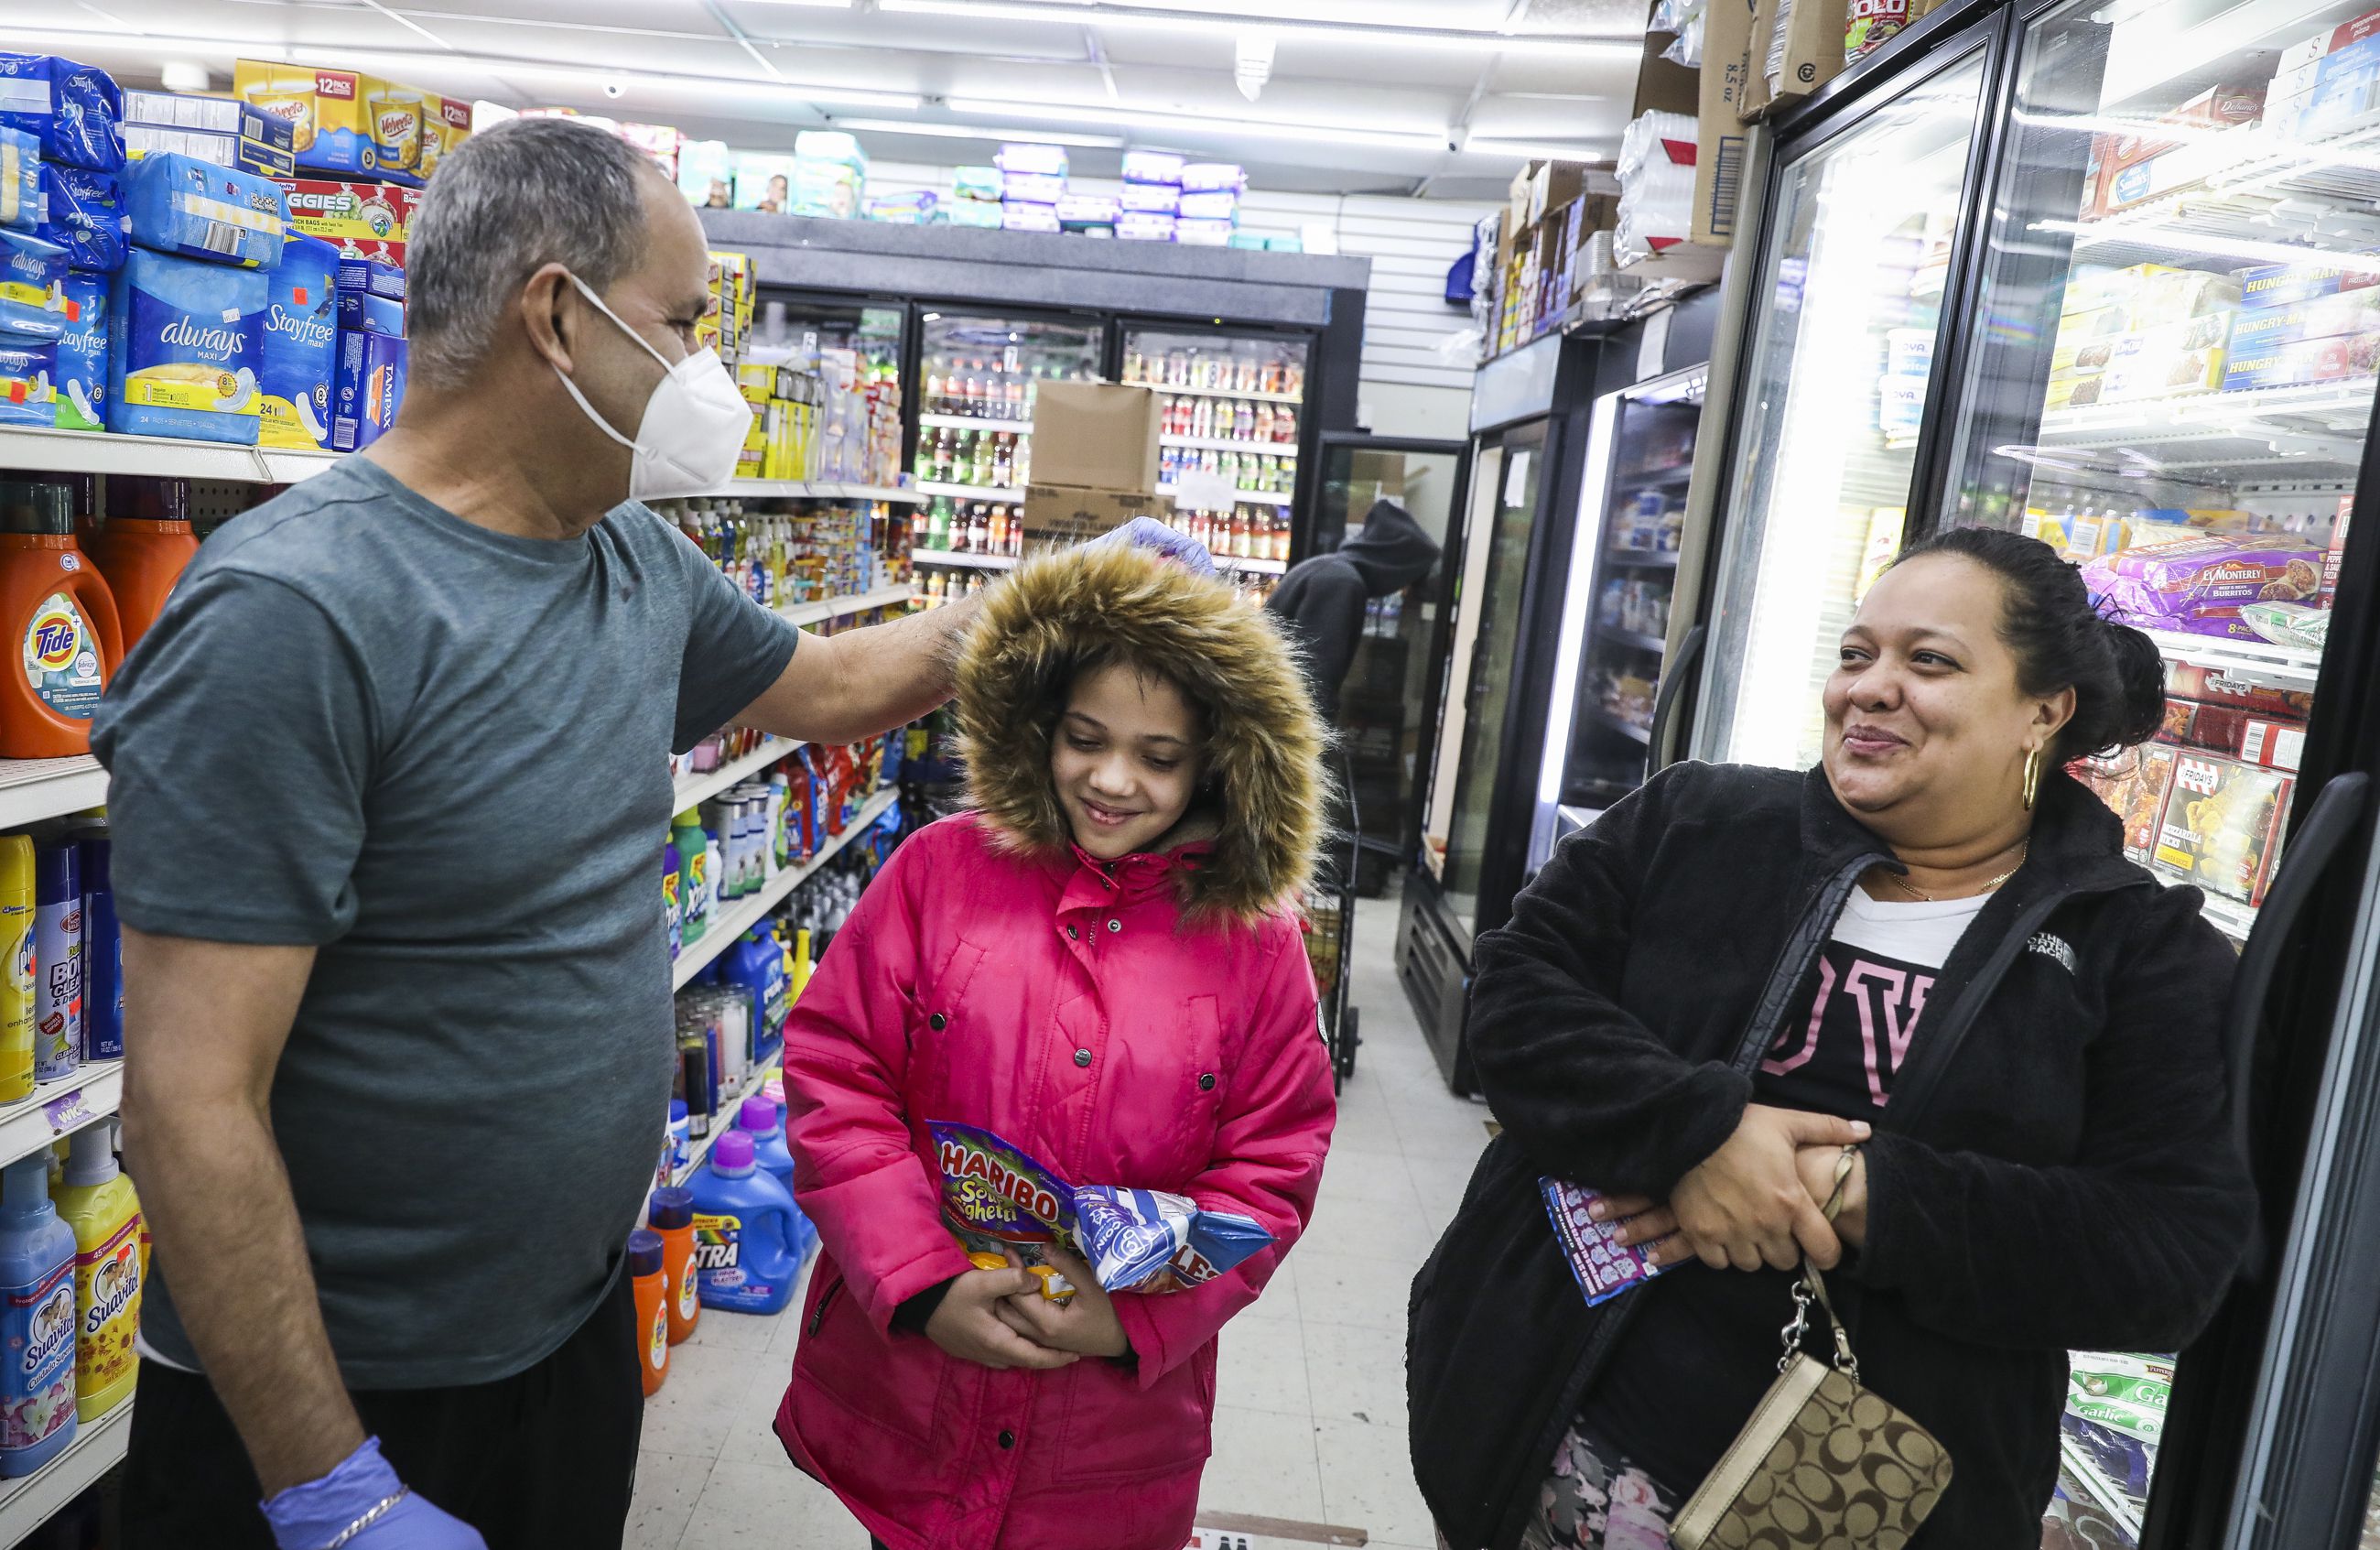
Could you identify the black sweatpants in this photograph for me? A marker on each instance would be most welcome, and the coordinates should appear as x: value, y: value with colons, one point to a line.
x: 544, y: 1459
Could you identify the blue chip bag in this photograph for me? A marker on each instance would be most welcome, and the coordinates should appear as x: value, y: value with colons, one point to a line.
x: 1150, y: 1242
x: 180, y: 205
x: 82, y: 354
x: 32, y: 288
x: 83, y: 211
x: 74, y: 112
x: 28, y: 382
x: 21, y: 180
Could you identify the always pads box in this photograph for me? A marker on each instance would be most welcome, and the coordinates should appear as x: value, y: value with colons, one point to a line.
x: 179, y: 204
x: 301, y: 347
x: 32, y: 295
x: 263, y: 141
x: 366, y: 391
x: 28, y: 370
x: 188, y: 344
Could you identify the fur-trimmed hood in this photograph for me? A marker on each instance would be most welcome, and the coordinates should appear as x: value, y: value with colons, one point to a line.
x: 1260, y: 820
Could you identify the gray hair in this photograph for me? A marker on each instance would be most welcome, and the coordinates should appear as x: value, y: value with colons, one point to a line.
x: 503, y: 204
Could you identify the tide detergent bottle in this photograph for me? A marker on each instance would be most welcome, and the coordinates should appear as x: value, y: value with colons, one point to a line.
x: 37, y: 1321
x: 747, y: 1232
x: 759, y: 1118
x: 61, y: 618
x: 143, y: 548
x: 97, y: 1202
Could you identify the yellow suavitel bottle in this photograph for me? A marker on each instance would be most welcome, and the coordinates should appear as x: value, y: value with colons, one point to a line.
x: 98, y: 1202
x: 17, y: 983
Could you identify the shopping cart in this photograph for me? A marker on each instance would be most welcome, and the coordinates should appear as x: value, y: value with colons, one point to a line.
x: 1330, y: 927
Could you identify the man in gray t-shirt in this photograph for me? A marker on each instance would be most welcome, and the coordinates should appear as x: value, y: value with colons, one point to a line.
x: 389, y: 796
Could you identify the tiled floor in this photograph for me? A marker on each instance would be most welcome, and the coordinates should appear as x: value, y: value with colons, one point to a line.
x: 1311, y: 1424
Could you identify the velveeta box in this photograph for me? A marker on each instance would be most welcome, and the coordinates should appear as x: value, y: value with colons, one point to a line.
x: 445, y: 124
x: 340, y: 121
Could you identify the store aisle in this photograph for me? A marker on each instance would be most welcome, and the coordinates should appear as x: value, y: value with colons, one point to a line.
x: 1311, y: 1427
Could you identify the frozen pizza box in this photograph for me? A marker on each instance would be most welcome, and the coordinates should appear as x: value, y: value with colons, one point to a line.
x: 2221, y: 825
x: 2133, y: 785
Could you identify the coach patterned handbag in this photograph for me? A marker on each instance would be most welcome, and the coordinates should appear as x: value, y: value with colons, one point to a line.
x: 1823, y: 1461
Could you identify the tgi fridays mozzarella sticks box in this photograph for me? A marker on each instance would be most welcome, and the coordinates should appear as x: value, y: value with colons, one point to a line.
x: 2222, y: 826
x: 370, y: 219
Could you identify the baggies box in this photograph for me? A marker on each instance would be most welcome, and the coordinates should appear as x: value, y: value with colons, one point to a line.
x: 347, y: 212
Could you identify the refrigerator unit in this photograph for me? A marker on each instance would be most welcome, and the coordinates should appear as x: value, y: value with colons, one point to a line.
x: 1235, y: 407
x: 2109, y: 275
x: 1614, y: 639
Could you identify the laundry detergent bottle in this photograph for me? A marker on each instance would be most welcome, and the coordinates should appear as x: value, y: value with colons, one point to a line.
x: 97, y: 1202
x: 669, y: 1213
x: 759, y: 1119
x: 62, y: 641
x: 37, y: 1321
x: 648, y: 1281
x: 749, y: 1237
x: 143, y: 548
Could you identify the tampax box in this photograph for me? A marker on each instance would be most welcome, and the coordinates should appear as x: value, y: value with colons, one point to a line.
x: 349, y: 214
x: 301, y: 347
x: 367, y: 390
x: 341, y: 121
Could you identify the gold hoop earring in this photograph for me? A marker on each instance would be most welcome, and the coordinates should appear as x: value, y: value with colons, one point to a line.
x: 2032, y: 777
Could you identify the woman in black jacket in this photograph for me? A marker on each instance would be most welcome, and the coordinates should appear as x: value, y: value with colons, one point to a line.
x: 1736, y: 972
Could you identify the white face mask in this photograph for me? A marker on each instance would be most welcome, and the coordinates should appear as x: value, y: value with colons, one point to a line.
x: 694, y: 425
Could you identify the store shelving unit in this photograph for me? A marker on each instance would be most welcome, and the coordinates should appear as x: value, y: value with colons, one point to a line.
x: 811, y: 490
x: 1251, y: 497
x: 1252, y: 566
x: 840, y: 607
x: 746, y: 913
x: 60, y: 1109
x: 973, y: 422
x: 723, y: 1120
x: 692, y: 790
x: 957, y: 558
x: 1226, y: 444
x: 26, y: 1504
x: 1251, y: 396
x: 2101, y: 1490
x: 33, y: 790
x: 971, y: 492
x: 159, y: 457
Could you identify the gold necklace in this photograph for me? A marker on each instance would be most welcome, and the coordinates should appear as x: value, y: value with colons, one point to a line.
x: 1903, y: 883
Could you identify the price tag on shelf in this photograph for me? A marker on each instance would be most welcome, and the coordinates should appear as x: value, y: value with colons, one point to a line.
x: 69, y: 1113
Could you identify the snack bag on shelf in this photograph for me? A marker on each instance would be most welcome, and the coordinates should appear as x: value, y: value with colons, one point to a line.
x: 2197, y: 585
x: 2221, y: 828
x: 2287, y: 624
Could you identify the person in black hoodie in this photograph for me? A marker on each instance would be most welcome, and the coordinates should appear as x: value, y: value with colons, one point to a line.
x: 1933, y: 940
x: 1321, y: 600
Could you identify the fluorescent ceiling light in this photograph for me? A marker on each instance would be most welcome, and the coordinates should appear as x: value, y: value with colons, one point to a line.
x: 1232, y: 23
x: 975, y: 131
x: 819, y: 5
x: 1490, y: 145
x: 1262, y: 128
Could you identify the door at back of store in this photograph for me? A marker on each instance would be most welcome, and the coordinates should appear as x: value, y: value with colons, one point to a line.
x: 2170, y: 378
x: 1387, y: 701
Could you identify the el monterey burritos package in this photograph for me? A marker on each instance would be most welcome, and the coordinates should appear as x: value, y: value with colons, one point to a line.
x: 2198, y: 585
x: 995, y: 1197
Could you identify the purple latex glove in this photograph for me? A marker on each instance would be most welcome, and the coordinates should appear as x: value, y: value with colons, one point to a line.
x: 314, y: 1515
x: 1147, y: 532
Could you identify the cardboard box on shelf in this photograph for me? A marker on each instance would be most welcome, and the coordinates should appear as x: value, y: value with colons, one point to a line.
x: 1797, y: 47
x: 2330, y: 40
x: 1552, y: 184
x: 1095, y: 456
x: 1719, y: 121
x: 2309, y: 361
x: 2222, y: 826
x: 1062, y: 514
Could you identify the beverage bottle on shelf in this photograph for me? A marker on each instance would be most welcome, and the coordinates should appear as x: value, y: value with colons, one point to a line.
x: 1231, y: 469
x: 1292, y: 379
x: 1022, y: 464
x: 1033, y: 393
x: 1243, y: 374
x: 979, y: 527
x: 1281, y: 539
x: 1263, y: 427
x: 1017, y: 410
x: 1268, y: 380
x: 975, y: 584
x: 1134, y: 367
x: 1210, y: 461
x: 937, y: 528
x: 1202, y: 417
x: 999, y: 531
x: 1245, y: 421
x: 925, y: 466
x: 1239, y: 540
x: 983, y: 448
x: 1284, y: 424
x: 921, y: 522
x: 1001, y: 464
x: 931, y: 403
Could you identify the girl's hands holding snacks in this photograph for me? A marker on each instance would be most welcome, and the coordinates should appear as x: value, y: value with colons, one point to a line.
x: 1085, y: 1323
x: 969, y: 1324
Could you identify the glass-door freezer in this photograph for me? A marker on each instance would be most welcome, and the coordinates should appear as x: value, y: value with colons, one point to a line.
x: 1848, y: 304
x: 2170, y: 379
x: 1234, y: 408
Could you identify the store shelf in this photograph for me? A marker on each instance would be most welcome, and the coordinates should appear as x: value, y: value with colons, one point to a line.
x: 2312, y: 432
x: 723, y: 1121
x: 1244, y: 497
x: 2231, y: 917
x: 972, y: 423
x: 1649, y: 559
x: 1620, y: 725
x: 32, y: 789
x: 157, y: 456
x: 2104, y: 1492
x: 1253, y: 398
x: 2278, y: 189
x: 839, y: 607
x: 26, y: 1504
x: 811, y: 490
x: 745, y: 913
x: 1642, y: 641
x: 971, y: 492
x: 694, y: 789
x: 2251, y: 661
x: 955, y: 557
x: 59, y: 1108
x: 1226, y: 444
x: 1656, y: 478
x: 1243, y: 562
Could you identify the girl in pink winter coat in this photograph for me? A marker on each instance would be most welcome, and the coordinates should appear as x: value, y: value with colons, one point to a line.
x: 1098, y: 963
